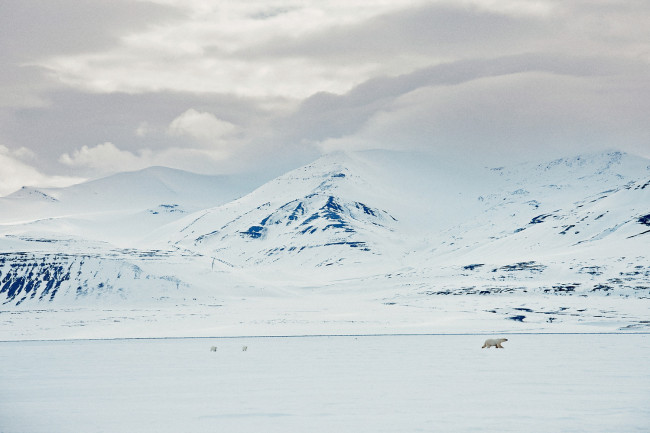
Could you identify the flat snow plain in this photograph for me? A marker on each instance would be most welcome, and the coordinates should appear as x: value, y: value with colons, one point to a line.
x: 434, y: 383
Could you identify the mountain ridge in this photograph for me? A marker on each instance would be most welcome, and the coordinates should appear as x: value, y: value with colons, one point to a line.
x: 575, y: 225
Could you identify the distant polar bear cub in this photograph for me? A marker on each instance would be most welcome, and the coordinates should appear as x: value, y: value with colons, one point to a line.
x: 496, y: 342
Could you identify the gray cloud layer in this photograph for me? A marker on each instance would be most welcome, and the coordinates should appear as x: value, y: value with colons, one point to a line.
x: 431, y: 29
x: 94, y: 87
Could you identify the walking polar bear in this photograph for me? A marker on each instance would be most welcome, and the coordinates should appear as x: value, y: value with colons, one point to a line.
x: 496, y: 342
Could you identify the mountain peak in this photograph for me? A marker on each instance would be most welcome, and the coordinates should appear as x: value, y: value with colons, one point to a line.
x: 31, y: 193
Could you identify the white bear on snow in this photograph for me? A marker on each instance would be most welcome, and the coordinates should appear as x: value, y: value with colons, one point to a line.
x: 496, y: 342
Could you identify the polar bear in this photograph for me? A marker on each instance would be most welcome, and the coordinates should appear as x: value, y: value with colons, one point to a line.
x: 496, y: 342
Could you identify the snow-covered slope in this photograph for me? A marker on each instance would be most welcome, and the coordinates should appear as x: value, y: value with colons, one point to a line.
x: 363, y: 220
x: 118, y: 209
x: 324, y: 214
x: 362, y: 214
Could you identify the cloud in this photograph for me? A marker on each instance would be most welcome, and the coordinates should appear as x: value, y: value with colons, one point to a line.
x: 106, y: 158
x: 143, y: 129
x: 16, y: 173
x: 34, y: 30
x: 430, y: 31
x: 68, y: 26
x: 205, y: 50
x: 503, y: 118
x: 258, y: 85
x: 76, y: 119
x: 527, y: 85
x: 204, y: 127
x: 296, y: 49
x: 22, y: 153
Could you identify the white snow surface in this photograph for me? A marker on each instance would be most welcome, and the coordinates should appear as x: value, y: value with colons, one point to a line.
x: 536, y: 384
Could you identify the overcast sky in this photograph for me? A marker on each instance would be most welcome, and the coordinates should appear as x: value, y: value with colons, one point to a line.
x: 89, y: 88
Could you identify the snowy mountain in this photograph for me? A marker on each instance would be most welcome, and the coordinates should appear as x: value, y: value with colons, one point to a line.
x: 323, y: 214
x: 363, y: 220
x: 118, y: 209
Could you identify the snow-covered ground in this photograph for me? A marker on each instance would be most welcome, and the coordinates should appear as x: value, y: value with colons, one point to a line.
x: 538, y: 383
x: 314, y: 313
